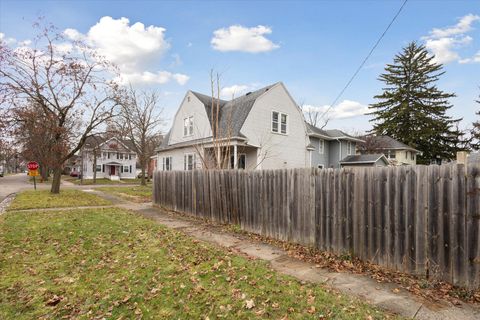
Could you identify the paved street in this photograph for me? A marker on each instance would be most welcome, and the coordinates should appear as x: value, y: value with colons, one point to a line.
x: 13, y: 183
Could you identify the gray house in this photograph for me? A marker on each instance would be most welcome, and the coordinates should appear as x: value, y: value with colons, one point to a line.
x: 264, y: 129
x: 329, y: 148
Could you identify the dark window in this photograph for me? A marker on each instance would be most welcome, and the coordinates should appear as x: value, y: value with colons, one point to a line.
x: 283, y: 123
x: 275, y: 121
x: 189, y: 161
x: 242, y: 161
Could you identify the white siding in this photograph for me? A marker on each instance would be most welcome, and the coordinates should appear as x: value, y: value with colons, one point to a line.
x: 178, y: 158
x: 277, y: 150
x: 88, y: 161
x: 195, y: 108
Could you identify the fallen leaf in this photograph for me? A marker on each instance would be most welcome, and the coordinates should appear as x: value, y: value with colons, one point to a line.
x: 249, y: 304
x: 53, y: 301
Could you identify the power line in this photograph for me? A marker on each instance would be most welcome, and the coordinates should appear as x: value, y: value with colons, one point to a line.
x: 365, y: 60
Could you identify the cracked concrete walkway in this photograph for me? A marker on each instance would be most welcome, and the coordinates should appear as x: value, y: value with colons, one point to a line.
x: 386, y: 296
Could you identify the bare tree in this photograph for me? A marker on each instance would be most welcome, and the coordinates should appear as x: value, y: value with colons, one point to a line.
x: 141, y: 118
x: 371, y: 144
x: 312, y: 115
x: 70, y: 87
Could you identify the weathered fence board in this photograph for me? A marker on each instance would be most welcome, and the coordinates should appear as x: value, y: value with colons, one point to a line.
x: 423, y: 220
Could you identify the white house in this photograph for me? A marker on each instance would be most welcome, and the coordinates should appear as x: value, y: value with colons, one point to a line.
x: 264, y: 129
x: 115, y: 158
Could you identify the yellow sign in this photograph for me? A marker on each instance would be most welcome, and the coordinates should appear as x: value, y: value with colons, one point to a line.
x: 33, y: 173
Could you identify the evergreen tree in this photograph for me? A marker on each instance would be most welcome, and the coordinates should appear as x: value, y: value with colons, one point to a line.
x: 412, y: 109
x: 476, y: 131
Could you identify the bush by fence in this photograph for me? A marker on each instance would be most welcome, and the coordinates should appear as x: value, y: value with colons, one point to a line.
x: 423, y: 220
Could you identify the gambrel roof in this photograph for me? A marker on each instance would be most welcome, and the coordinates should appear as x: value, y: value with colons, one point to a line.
x: 232, y: 114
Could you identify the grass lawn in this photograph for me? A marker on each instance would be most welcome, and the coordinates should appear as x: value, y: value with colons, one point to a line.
x: 44, y: 199
x: 109, y: 263
x: 133, y: 193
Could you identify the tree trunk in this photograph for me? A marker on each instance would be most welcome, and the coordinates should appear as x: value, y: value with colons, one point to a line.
x: 142, y: 179
x: 44, y: 173
x: 57, y: 175
x: 94, y: 167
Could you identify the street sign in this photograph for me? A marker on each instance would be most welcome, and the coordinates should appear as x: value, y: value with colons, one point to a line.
x: 33, y: 173
x: 32, y: 165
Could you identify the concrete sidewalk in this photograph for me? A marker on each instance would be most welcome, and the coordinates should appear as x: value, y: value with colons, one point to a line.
x: 386, y: 296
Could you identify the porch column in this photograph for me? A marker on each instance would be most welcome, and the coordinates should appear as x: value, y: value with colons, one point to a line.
x: 235, y: 160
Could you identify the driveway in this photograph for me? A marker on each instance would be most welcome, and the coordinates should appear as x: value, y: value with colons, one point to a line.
x: 13, y: 183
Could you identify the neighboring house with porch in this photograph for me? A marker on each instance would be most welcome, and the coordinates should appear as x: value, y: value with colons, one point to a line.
x: 111, y: 158
x: 264, y: 129
x: 72, y: 165
x: 397, y: 153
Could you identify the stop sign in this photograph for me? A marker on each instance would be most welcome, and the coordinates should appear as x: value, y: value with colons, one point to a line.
x: 32, y: 165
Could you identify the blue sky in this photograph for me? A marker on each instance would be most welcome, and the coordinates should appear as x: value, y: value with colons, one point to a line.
x: 313, y: 47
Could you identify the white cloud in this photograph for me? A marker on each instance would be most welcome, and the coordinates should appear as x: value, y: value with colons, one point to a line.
x: 474, y: 59
x: 233, y: 91
x: 135, y: 49
x: 444, y: 48
x: 345, y: 109
x: 444, y: 43
x: 239, y: 38
x: 463, y: 26
x: 147, y: 77
x: 7, y: 41
x: 73, y: 34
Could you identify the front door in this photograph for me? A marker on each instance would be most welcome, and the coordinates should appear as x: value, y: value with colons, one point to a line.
x: 112, y: 170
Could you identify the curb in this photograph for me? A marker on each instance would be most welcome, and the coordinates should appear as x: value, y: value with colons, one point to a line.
x: 6, y: 202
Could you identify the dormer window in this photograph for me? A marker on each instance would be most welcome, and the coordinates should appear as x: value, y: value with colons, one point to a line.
x: 188, y: 126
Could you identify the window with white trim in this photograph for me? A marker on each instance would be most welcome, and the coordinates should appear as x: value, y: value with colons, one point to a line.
x: 391, y: 154
x: 125, y: 169
x: 167, y: 163
x: 350, y: 148
x: 321, y: 146
x: 188, y: 126
x: 99, y: 168
x: 189, y: 161
x: 279, y: 122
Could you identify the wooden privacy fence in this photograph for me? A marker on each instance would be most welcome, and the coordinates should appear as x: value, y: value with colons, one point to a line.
x: 423, y: 220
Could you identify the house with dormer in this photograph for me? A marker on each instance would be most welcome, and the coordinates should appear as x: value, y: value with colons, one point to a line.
x: 111, y: 158
x: 264, y: 129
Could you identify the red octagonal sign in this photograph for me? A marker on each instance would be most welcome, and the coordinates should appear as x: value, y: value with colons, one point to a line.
x: 32, y: 165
